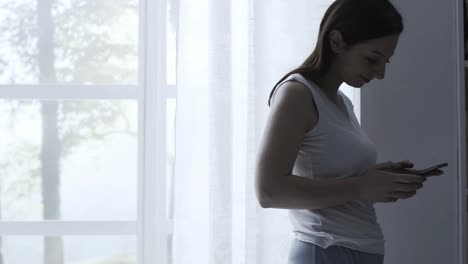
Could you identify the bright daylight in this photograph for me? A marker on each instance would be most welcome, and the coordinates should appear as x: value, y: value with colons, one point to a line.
x: 233, y: 132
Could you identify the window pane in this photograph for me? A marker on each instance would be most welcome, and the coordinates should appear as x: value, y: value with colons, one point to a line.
x: 70, y: 160
x: 68, y: 41
x: 70, y: 249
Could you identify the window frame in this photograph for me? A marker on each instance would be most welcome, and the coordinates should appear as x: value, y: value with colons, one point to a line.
x: 152, y: 228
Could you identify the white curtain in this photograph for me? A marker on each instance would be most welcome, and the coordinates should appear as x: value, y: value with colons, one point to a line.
x: 230, y: 54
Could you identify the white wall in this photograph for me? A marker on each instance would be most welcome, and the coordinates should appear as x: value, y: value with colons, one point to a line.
x: 413, y: 114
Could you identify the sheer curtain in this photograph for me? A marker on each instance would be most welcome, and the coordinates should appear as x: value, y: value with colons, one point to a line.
x: 230, y: 54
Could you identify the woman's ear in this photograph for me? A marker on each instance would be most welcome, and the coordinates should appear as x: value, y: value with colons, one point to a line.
x: 336, y: 42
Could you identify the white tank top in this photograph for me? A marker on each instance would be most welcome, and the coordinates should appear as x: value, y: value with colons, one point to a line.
x: 337, y: 147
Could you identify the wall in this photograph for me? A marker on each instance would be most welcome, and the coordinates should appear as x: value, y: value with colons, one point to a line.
x: 413, y: 114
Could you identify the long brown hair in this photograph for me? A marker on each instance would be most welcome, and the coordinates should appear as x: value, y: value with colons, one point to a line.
x: 357, y: 21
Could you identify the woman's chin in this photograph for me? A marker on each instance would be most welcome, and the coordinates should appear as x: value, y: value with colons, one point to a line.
x: 356, y: 84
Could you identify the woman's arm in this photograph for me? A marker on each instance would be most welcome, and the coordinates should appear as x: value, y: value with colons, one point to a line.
x: 295, y: 192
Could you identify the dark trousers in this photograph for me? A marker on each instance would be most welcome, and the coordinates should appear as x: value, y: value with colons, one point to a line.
x: 308, y: 253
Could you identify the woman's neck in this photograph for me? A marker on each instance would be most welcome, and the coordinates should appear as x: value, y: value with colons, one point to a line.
x: 330, y: 83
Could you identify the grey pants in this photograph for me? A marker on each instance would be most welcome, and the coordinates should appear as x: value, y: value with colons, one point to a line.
x: 308, y: 253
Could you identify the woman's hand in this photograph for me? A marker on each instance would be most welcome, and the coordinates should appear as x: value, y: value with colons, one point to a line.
x: 393, y: 186
x: 390, y: 165
x: 403, y: 167
x: 378, y: 185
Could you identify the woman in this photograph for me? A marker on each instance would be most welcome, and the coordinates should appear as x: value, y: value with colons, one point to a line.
x: 315, y: 159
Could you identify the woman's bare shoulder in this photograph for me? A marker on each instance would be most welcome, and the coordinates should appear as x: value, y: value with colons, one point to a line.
x: 294, y: 94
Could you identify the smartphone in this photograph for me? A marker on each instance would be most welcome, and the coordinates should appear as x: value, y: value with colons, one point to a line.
x: 421, y: 172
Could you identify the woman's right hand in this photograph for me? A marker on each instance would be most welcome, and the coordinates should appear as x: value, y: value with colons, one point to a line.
x: 384, y: 186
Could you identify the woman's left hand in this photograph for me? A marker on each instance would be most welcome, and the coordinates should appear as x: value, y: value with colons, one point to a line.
x: 393, y: 166
x: 403, y: 167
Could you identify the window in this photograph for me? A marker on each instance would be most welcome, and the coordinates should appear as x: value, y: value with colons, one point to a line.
x: 87, y: 99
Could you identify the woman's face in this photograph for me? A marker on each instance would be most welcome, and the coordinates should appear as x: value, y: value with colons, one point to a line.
x: 365, y: 61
